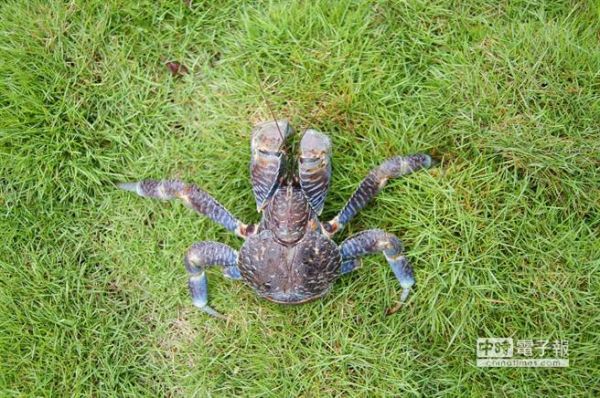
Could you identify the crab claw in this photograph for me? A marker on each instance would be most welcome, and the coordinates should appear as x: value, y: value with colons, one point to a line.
x: 315, y: 167
x: 268, y: 158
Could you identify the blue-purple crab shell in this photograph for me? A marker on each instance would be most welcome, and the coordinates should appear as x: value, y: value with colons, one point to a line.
x: 289, y: 257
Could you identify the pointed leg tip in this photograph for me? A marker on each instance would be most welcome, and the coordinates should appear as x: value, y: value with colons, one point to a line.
x: 392, y: 310
x: 210, y: 311
x: 404, y: 294
x: 401, y: 303
x: 427, y: 162
x: 128, y: 186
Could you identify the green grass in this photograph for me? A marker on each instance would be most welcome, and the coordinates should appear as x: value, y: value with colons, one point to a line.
x: 503, y: 234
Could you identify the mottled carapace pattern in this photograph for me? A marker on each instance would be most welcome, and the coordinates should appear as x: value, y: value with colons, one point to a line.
x: 289, y: 257
x: 289, y: 260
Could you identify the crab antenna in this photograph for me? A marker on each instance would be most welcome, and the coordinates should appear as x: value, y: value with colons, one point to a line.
x: 262, y: 93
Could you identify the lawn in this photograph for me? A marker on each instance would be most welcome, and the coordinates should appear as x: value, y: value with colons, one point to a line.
x: 503, y: 233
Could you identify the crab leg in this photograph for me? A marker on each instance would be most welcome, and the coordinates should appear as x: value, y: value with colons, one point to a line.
x: 268, y: 158
x: 206, y: 254
x: 374, y: 241
x: 315, y: 167
x: 373, y: 183
x: 193, y: 197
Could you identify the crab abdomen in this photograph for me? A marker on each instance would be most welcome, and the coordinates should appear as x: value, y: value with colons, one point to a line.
x: 289, y: 274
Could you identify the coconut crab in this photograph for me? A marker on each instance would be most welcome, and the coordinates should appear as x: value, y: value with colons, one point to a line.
x: 289, y: 257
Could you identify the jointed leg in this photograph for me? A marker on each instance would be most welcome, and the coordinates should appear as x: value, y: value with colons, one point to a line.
x: 315, y: 167
x: 374, y: 241
x: 206, y: 254
x: 268, y: 158
x: 373, y: 183
x: 193, y: 197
